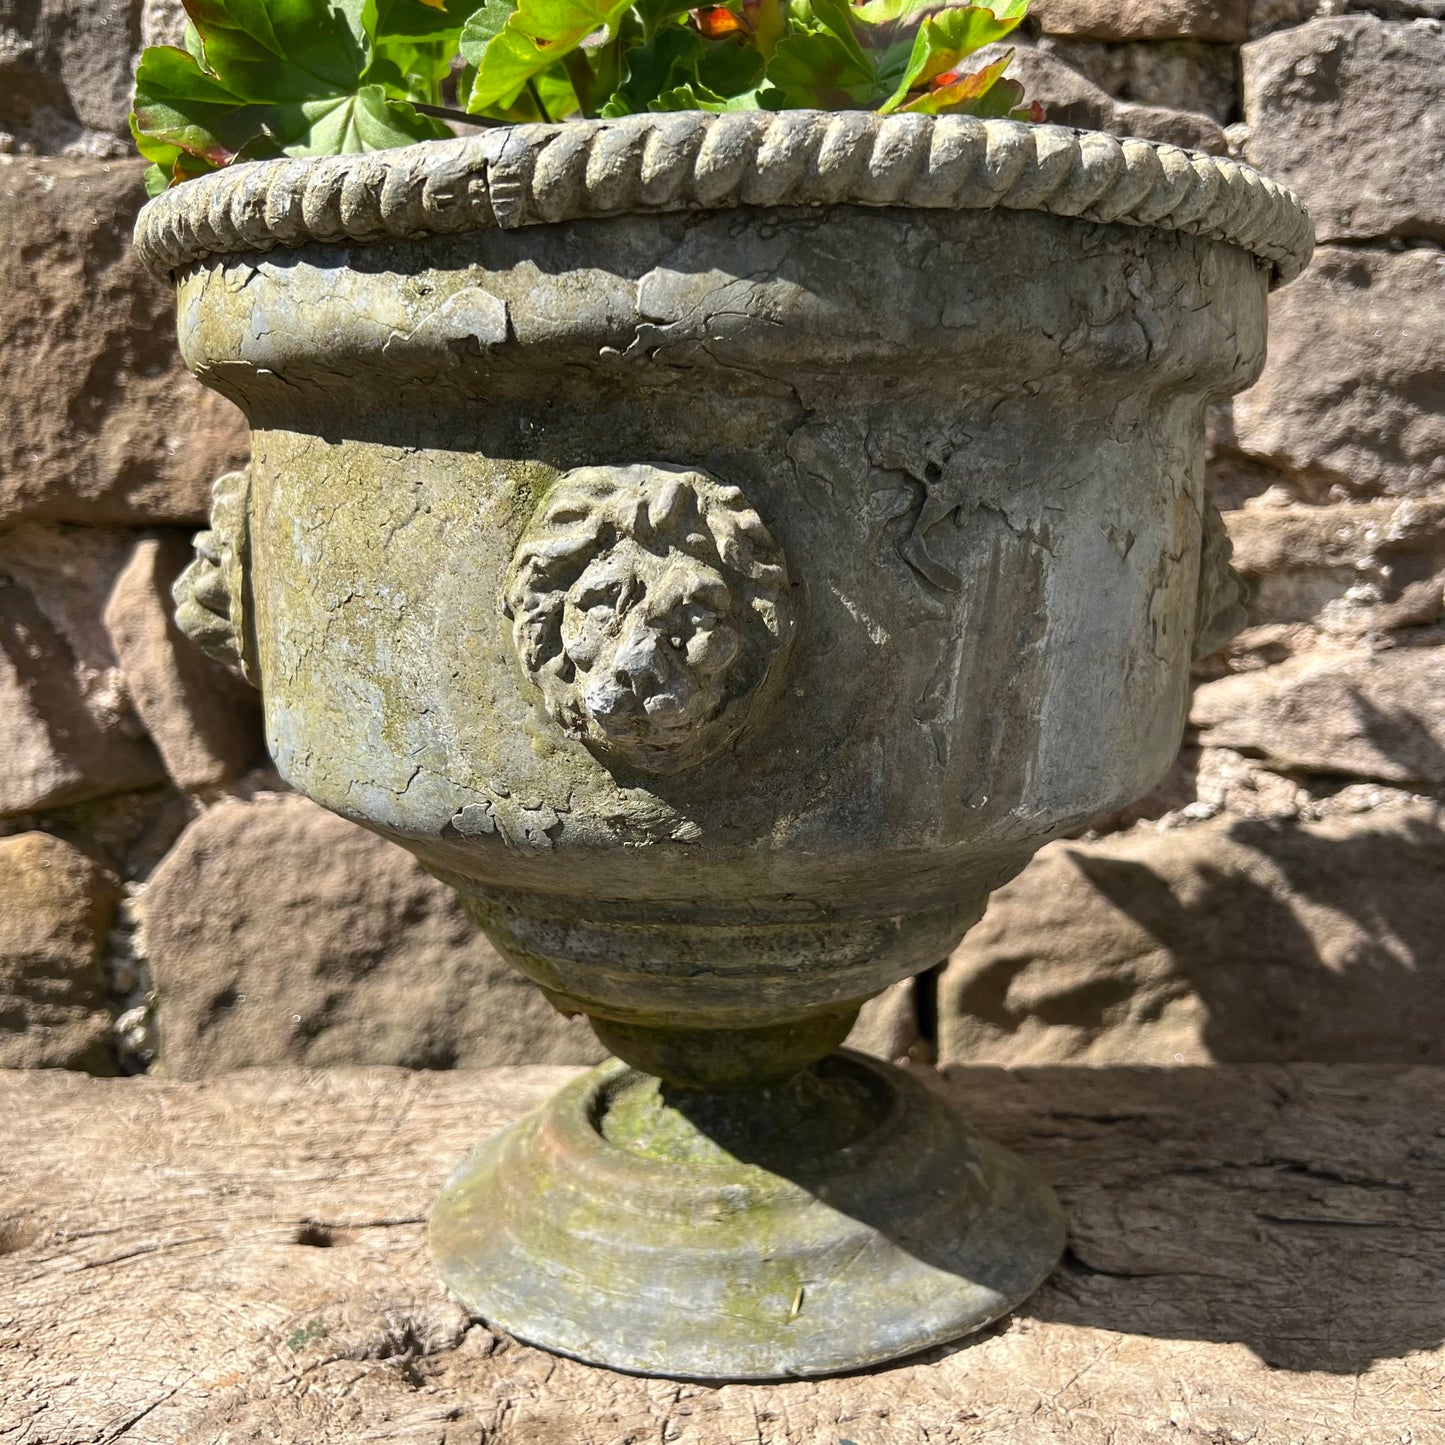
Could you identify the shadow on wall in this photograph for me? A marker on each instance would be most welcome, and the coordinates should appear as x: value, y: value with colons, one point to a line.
x: 1331, y: 946
x: 1232, y: 939
x: 1400, y: 735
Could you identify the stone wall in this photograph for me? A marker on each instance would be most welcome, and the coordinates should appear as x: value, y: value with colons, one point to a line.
x: 165, y: 902
x: 1282, y: 896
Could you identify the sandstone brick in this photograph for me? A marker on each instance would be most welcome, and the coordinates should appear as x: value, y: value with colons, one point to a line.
x: 1346, y: 109
x: 278, y: 933
x: 56, y: 907
x: 1072, y: 100
x: 887, y: 1025
x: 1143, y: 19
x: 128, y: 833
x: 1348, y: 569
x: 67, y: 728
x: 163, y: 22
x: 103, y: 422
x: 1352, y: 399
x: 1268, y: 15
x: 1229, y: 940
x: 1187, y: 75
x: 204, y: 721
x: 1369, y: 715
x: 66, y: 69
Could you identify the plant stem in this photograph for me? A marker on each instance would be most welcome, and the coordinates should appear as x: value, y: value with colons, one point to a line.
x: 579, y: 72
x: 537, y: 100
x: 608, y: 70
x: 446, y: 112
x: 439, y: 54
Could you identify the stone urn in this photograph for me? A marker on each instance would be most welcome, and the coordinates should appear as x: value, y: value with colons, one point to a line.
x: 723, y: 549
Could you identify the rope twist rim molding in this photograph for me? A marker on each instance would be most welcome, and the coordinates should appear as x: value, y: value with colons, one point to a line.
x: 508, y: 177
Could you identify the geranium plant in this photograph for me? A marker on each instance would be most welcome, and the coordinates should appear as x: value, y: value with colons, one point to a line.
x: 262, y: 78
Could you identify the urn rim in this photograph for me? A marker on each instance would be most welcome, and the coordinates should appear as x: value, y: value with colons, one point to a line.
x: 509, y: 177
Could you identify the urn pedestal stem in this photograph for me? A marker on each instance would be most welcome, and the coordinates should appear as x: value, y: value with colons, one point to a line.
x: 715, y: 1061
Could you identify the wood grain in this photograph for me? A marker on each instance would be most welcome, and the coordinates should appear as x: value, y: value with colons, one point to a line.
x: 1257, y: 1256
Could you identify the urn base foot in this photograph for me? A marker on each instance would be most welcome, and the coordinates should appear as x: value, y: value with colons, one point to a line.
x: 840, y: 1219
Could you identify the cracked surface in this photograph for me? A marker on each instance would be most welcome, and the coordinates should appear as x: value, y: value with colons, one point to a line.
x: 974, y: 437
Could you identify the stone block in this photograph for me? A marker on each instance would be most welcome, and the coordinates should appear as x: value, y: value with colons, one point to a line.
x: 66, y: 73
x: 1143, y: 19
x: 67, y: 728
x: 887, y: 1026
x: 56, y: 908
x: 1346, y: 110
x: 103, y: 422
x: 1378, y: 716
x: 1268, y: 15
x: 128, y: 833
x: 1070, y: 99
x: 1229, y: 940
x: 204, y: 721
x: 163, y: 22
x: 1352, y: 399
x: 1186, y: 128
x: 1346, y: 570
x: 278, y: 933
x: 1187, y: 75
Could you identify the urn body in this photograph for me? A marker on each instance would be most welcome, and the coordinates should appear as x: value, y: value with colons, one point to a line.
x: 955, y: 568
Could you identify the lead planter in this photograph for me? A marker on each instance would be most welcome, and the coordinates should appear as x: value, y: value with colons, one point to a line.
x: 724, y: 549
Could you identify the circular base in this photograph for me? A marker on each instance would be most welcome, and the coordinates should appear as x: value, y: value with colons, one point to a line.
x: 712, y: 1268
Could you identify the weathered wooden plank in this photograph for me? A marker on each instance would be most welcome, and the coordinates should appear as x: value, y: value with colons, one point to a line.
x: 1258, y: 1255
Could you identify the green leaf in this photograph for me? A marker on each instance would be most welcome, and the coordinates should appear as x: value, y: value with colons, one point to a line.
x: 822, y: 61
x: 885, y: 12
x: 537, y: 35
x: 838, y: 55
x: 191, y: 40
x: 1002, y: 101
x: 834, y: 17
x: 688, y: 97
x: 178, y: 107
x: 652, y: 13
x: 415, y: 19
x: 281, y: 50
x: 409, y: 69
x: 557, y: 95
x: 171, y: 165
x: 666, y: 62
x: 366, y: 121
x: 308, y: 77
x: 465, y: 80
x: 484, y: 24
x: 698, y: 97
x: 943, y: 40
x: 187, y: 120
x: 729, y: 69
x: 820, y: 69
x: 969, y: 94
x: 891, y: 12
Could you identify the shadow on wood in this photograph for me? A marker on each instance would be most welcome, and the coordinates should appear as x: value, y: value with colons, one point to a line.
x: 1256, y: 1254
x: 1299, y: 1215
